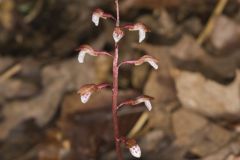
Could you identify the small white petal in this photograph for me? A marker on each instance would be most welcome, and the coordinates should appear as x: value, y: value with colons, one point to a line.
x: 148, y: 105
x: 142, y: 35
x: 95, y: 19
x: 153, y: 64
x: 81, y: 56
x: 117, y: 37
x: 135, y: 151
x: 85, y: 97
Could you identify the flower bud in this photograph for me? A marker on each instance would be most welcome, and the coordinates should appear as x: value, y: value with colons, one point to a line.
x: 141, y: 28
x: 117, y: 34
x: 85, y: 97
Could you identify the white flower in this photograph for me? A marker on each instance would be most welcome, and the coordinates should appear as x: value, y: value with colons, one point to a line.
x: 97, y: 14
x: 148, y: 105
x: 81, y: 56
x: 95, y: 18
x: 85, y: 97
x: 117, y: 34
x: 87, y: 90
x: 141, y: 28
x: 135, y: 151
x: 141, y: 99
x: 147, y: 58
x: 153, y: 64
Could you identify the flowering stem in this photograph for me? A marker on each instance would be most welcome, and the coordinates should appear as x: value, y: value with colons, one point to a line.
x: 115, y: 94
x: 117, y: 11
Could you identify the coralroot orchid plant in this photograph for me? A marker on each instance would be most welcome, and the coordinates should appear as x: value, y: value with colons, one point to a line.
x: 87, y: 90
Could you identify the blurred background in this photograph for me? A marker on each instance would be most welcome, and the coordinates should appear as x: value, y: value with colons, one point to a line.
x: 196, y: 111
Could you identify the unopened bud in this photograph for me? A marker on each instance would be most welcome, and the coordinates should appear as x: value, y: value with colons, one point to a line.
x: 117, y: 34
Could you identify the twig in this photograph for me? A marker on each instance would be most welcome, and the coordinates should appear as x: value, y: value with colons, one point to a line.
x: 34, y: 13
x: 10, y: 72
x: 211, y: 22
x: 138, y: 125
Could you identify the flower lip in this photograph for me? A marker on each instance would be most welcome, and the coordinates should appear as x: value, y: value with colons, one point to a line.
x: 133, y: 147
x: 135, y: 151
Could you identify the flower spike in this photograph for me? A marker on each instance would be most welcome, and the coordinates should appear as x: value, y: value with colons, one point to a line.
x: 141, y: 28
x: 83, y: 49
x: 88, y: 89
x: 117, y: 34
x: 97, y: 14
x: 141, y: 99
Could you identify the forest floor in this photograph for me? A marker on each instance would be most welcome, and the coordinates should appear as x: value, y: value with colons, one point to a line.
x: 196, y: 110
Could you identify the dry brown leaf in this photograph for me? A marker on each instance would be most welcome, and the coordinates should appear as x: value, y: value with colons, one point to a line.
x: 57, y: 79
x: 208, y: 97
x: 15, y: 88
x: 226, y: 35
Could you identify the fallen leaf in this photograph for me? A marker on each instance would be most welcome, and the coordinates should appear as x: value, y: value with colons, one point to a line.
x: 207, y: 96
x: 226, y: 35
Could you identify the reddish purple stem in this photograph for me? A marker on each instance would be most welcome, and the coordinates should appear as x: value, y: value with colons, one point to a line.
x: 115, y: 93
